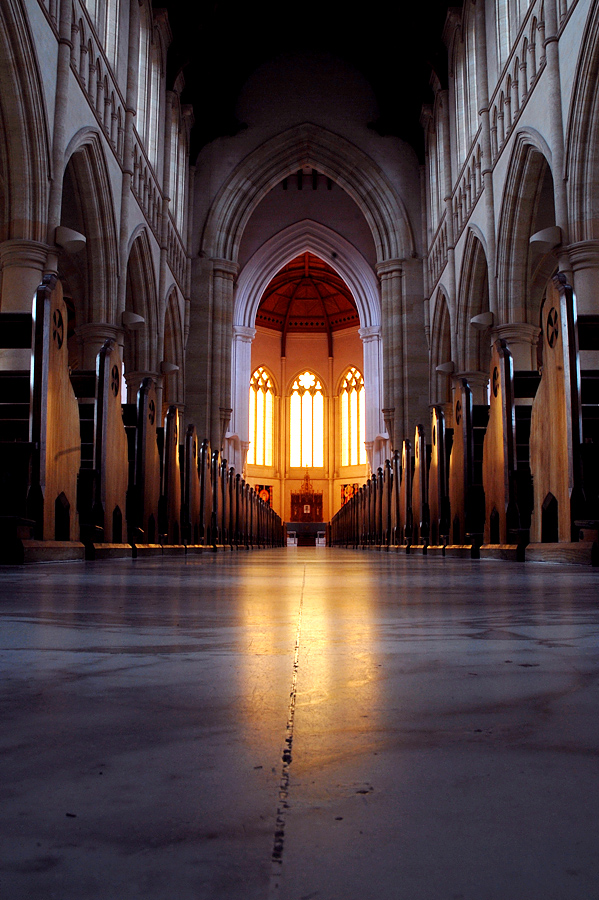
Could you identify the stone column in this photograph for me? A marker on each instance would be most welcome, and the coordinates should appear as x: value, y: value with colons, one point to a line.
x: 91, y: 339
x: 487, y: 167
x: 371, y: 342
x: 522, y: 340
x: 556, y: 124
x: 584, y: 259
x: 134, y: 380
x: 22, y: 264
x: 414, y: 349
x: 224, y: 273
x: 198, y: 388
x: 390, y: 272
x: 241, y: 365
x: 478, y: 382
x: 127, y: 177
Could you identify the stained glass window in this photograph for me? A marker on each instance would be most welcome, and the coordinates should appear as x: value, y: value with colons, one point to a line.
x: 262, y: 396
x: 306, y: 422
x: 353, y: 451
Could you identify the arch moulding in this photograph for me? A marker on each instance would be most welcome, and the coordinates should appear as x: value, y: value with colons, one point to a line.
x: 350, y: 265
x: 333, y: 156
x: 331, y: 247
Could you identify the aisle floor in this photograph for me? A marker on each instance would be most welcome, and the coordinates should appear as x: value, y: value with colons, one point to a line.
x: 299, y: 724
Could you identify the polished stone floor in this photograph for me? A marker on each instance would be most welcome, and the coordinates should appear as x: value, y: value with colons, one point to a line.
x: 299, y: 724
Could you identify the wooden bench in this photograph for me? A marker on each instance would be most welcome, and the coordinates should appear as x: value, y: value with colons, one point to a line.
x: 564, y: 430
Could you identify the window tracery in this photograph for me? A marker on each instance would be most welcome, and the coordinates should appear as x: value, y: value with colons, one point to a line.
x: 306, y: 421
x: 352, y: 397
x: 260, y: 452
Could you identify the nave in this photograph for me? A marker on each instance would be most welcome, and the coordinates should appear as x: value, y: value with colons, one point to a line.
x: 299, y: 723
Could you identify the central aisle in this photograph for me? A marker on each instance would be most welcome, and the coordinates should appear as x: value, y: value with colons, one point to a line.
x: 307, y: 724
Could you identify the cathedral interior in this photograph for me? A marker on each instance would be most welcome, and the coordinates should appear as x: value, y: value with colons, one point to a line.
x: 299, y: 450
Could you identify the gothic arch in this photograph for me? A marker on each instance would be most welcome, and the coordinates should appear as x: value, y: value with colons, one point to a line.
x: 529, y: 164
x: 440, y: 383
x: 25, y: 158
x: 473, y: 299
x: 312, y: 237
x: 173, y: 351
x: 330, y: 154
x: 582, y: 138
x: 141, y: 351
x: 86, y: 162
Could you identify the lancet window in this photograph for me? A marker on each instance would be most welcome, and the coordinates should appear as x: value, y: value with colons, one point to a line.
x: 306, y: 421
x: 178, y: 170
x: 148, y: 87
x: 262, y: 398
x: 351, y: 397
x: 105, y: 17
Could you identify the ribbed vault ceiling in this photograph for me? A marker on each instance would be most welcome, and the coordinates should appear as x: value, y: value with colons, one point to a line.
x: 307, y: 295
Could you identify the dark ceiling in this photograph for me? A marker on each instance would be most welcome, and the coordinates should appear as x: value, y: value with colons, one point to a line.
x: 219, y: 44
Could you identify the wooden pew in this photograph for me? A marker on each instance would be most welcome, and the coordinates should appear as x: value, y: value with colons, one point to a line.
x: 588, y: 345
x: 395, y: 496
x: 205, y: 494
x: 387, y: 504
x: 405, y: 496
x: 420, y: 510
x: 502, y: 518
x: 111, y: 460
x: 466, y: 493
x: 215, y: 518
x: 16, y: 334
x: 438, y: 499
x: 170, y: 500
x: 190, y: 507
x: 145, y: 490
x: 561, y: 508
x: 56, y: 453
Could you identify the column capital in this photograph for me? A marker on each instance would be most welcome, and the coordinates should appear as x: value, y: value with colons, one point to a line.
x: 370, y: 333
x: 478, y: 379
x: 134, y: 379
x: 516, y: 332
x: 244, y: 333
x: 23, y: 253
x: 225, y: 266
x: 388, y: 267
x: 521, y: 338
x: 584, y: 255
x: 99, y: 331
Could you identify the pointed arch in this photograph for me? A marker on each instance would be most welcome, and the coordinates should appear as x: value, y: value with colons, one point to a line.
x: 173, y: 351
x: 330, y: 154
x: 85, y: 164
x: 530, y: 165
x: 141, y: 352
x: 440, y: 383
x: 307, y: 237
x: 311, y: 237
x: 25, y: 156
x: 582, y: 138
x: 262, y: 391
x: 352, y: 423
x: 473, y: 299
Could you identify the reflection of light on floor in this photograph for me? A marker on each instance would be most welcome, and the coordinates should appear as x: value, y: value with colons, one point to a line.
x: 340, y: 665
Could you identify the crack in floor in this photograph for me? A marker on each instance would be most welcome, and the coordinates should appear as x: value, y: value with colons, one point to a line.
x: 283, y: 805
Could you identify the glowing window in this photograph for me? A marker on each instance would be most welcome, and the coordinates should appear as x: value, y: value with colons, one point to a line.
x: 353, y: 451
x: 148, y: 87
x: 306, y: 422
x: 111, y: 33
x: 262, y: 397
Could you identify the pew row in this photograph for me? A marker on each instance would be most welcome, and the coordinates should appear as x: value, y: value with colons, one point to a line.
x: 85, y: 475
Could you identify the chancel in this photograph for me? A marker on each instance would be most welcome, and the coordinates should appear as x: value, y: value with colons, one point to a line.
x: 299, y: 409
